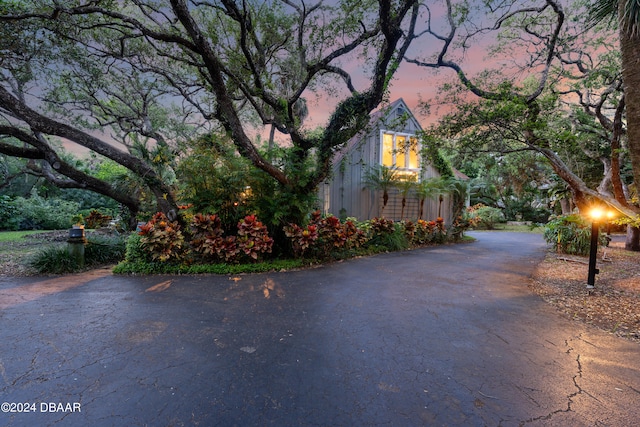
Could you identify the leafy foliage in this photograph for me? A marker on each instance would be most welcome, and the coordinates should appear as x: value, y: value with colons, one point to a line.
x: 205, y: 246
x: 387, y: 234
x: 98, y: 251
x: 383, y: 178
x: 433, y: 155
x: 253, y: 238
x: 207, y: 237
x: 41, y: 213
x: 54, y: 260
x: 134, y: 251
x: 162, y: 238
x: 570, y: 234
x: 104, y: 250
x: 9, y: 219
x: 485, y: 216
x: 301, y: 238
x: 214, y: 178
x: 140, y: 267
x: 325, y: 236
x: 95, y: 219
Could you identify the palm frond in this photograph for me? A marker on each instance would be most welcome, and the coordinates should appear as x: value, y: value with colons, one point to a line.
x: 630, y: 19
x: 602, y: 11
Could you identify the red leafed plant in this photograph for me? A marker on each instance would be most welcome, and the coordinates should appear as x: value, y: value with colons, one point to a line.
x: 324, y: 235
x: 253, y: 237
x: 382, y: 226
x: 301, y: 238
x: 423, y: 233
x: 332, y: 233
x: 97, y: 219
x: 355, y: 237
x: 409, y: 230
x: 162, y: 238
x: 207, y: 236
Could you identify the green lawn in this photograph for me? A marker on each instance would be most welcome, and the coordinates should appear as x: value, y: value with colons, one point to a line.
x: 517, y: 228
x: 15, y: 236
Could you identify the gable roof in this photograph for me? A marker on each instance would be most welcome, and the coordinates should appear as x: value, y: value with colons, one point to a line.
x: 377, y: 120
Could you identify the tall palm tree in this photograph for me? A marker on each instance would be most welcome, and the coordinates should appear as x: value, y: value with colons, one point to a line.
x: 427, y: 189
x: 460, y: 189
x: 405, y: 183
x: 381, y: 178
x: 627, y: 13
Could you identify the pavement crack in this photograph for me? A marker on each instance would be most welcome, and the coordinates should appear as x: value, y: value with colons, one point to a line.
x: 570, y: 397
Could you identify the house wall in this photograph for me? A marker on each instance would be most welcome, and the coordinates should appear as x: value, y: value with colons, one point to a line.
x: 345, y: 194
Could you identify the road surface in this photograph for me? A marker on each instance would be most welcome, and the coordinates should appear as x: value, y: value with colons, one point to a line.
x: 441, y: 336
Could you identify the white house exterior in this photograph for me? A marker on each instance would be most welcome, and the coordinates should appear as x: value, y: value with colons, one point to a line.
x: 389, y: 140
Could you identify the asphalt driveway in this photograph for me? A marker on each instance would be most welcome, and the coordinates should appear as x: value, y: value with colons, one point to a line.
x: 446, y: 335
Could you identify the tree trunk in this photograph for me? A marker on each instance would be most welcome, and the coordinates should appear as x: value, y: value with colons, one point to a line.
x: 616, y: 157
x: 633, y: 239
x: 630, y: 49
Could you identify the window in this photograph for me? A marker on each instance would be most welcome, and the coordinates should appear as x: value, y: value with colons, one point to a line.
x: 400, y: 150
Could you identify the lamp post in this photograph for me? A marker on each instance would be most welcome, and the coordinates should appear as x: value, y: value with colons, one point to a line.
x: 595, y: 214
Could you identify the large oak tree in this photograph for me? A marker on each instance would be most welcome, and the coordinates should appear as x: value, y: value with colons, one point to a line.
x: 548, y: 45
x: 74, y: 69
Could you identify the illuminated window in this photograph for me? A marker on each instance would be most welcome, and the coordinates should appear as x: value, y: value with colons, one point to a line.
x: 400, y: 150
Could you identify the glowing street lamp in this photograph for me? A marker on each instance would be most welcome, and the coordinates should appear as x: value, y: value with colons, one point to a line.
x: 595, y: 214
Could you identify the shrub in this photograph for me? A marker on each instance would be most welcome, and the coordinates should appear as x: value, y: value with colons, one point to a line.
x: 96, y: 219
x: 134, y: 251
x: 53, y: 260
x: 409, y: 229
x: 207, y: 236
x: 9, y: 214
x: 104, y: 250
x: 325, y: 237
x: 162, y: 238
x: 253, y: 238
x: 570, y: 234
x: 301, y: 238
x: 440, y: 232
x: 355, y: 237
x: 97, y: 251
x: 382, y: 226
x: 386, y: 233
x: 424, y: 232
x: 462, y: 224
x: 485, y: 216
x: 44, y: 214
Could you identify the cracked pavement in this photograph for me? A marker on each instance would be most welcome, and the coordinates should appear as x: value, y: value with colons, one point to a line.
x: 446, y: 335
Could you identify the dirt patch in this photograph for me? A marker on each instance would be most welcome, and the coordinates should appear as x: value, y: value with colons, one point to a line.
x: 612, y: 306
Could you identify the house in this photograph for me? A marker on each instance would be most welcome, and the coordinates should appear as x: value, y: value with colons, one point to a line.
x: 389, y: 140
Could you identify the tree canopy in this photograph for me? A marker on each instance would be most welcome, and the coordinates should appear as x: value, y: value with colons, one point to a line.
x: 159, y: 73
x: 566, y: 69
x: 142, y: 82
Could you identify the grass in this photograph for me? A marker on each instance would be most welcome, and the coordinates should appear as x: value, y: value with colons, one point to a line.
x: 517, y: 228
x: 161, y: 268
x: 16, y: 236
